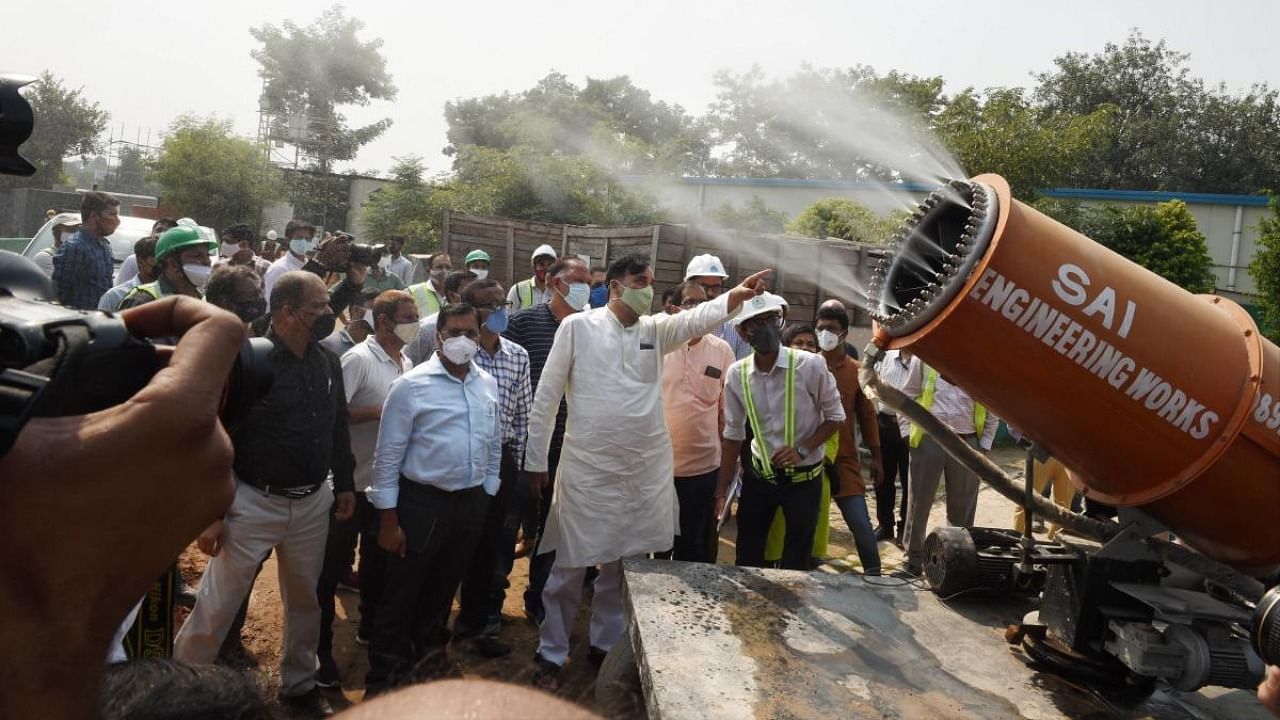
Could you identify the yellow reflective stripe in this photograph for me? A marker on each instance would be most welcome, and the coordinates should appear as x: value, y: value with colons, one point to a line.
x: 979, y: 418
x: 788, y: 411
x: 926, y: 400
x: 761, y: 446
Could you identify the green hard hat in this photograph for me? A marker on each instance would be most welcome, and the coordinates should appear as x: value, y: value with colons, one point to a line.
x: 180, y: 237
x: 475, y: 255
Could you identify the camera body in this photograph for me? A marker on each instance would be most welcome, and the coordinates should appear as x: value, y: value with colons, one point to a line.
x: 367, y: 255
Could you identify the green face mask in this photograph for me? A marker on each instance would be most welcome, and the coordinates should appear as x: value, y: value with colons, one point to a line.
x: 638, y: 299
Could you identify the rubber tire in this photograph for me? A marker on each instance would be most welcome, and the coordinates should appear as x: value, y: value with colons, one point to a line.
x: 618, y: 689
x: 950, y: 560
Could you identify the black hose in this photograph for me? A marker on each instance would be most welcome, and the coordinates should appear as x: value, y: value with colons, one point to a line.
x: 1246, y: 587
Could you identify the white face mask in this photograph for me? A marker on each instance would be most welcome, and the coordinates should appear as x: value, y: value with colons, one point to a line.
x: 480, y: 273
x: 229, y: 249
x: 578, y: 295
x: 408, y: 332
x: 828, y: 340
x: 301, y: 246
x: 458, y: 350
x: 384, y: 262
x: 197, y: 274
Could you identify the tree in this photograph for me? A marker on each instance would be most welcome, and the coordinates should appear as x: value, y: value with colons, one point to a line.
x: 847, y: 219
x: 755, y: 217
x: 131, y: 174
x: 310, y: 74
x: 1162, y: 238
x: 403, y: 208
x: 826, y: 123
x: 66, y: 123
x: 1001, y: 131
x: 1265, y: 269
x: 207, y: 173
x: 1167, y: 131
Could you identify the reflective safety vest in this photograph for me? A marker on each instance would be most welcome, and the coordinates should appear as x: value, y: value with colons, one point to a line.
x: 761, y: 455
x: 151, y: 288
x: 425, y: 298
x: 524, y: 294
x: 926, y: 400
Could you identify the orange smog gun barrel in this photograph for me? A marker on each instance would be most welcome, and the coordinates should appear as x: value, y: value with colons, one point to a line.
x: 1154, y: 396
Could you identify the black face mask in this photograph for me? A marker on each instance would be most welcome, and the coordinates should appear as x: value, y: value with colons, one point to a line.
x: 323, y: 326
x: 250, y: 310
x: 765, y: 338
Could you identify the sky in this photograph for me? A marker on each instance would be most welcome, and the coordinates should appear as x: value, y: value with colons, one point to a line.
x: 148, y: 61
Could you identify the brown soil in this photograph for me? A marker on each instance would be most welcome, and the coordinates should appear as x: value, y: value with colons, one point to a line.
x: 264, y: 629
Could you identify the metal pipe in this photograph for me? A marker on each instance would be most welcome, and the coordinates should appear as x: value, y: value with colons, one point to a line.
x: 1235, y: 247
x: 1246, y: 587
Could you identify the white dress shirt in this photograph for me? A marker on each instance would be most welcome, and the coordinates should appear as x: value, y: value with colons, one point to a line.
x: 438, y: 430
x: 403, y: 268
x: 893, y: 370
x: 367, y: 374
x: 281, y: 266
x: 951, y: 405
x: 817, y: 400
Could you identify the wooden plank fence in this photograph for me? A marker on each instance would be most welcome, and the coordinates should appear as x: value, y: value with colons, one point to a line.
x: 807, y: 271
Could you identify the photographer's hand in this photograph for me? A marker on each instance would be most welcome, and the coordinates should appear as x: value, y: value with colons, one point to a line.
x: 108, y: 500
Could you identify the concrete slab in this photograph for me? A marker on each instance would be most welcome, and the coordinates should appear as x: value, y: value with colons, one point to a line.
x: 715, y: 641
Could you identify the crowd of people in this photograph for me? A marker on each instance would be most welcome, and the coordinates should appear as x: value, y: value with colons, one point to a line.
x: 442, y: 425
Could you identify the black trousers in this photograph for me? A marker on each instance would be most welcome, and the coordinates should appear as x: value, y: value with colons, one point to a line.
x: 339, y: 553
x: 540, y: 563
x: 697, y: 539
x: 759, y: 501
x: 896, y: 455
x: 373, y: 565
x: 441, y: 530
x: 486, y: 574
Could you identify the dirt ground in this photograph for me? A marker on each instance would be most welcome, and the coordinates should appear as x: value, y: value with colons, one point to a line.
x: 263, y: 629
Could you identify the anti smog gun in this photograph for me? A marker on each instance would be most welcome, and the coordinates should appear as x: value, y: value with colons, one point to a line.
x: 1165, y: 404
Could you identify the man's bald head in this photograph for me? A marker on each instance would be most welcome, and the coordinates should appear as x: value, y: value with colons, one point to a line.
x: 834, y: 304
x: 292, y: 288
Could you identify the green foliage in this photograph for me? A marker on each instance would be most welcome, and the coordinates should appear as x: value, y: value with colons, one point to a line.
x: 310, y: 74
x: 66, y: 123
x: 131, y: 174
x: 207, y: 173
x: 813, y: 124
x: 1166, y: 130
x: 847, y: 219
x: 1001, y: 131
x: 1161, y: 238
x: 755, y: 217
x: 1265, y: 269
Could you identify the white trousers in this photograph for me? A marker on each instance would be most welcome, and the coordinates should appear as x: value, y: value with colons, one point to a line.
x: 561, y: 597
x: 256, y: 523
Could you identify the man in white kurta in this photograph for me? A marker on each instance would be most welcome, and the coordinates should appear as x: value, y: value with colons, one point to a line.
x: 614, y: 497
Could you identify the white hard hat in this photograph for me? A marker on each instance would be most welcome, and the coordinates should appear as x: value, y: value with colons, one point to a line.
x: 544, y: 250
x: 705, y: 265
x: 759, y: 305
x: 271, y: 235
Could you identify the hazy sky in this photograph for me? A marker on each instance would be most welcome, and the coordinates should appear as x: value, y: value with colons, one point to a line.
x: 147, y: 61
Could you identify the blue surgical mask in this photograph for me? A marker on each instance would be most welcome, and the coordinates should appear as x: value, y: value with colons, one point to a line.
x: 578, y: 295
x: 497, y: 321
x: 301, y: 246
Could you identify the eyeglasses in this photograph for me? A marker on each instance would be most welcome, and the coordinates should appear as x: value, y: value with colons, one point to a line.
x: 691, y: 304
x: 505, y: 304
x: 473, y: 334
x: 712, y: 288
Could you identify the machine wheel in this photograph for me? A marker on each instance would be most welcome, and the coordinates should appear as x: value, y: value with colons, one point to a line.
x: 950, y: 560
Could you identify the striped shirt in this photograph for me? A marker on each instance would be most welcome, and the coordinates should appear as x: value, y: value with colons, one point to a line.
x: 510, y: 368
x: 728, y: 332
x: 534, y: 329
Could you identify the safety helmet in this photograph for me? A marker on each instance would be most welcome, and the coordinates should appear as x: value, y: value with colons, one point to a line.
x: 476, y: 255
x: 759, y: 305
x: 707, y: 264
x: 544, y: 250
x: 177, y: 238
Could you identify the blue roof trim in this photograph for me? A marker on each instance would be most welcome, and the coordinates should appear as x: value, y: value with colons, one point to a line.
x: 1146, y: 196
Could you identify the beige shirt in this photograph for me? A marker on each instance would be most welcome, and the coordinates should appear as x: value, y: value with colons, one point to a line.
x: 692, y: 400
